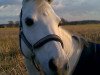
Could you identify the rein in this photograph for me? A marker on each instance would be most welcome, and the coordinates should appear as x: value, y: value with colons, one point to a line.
x: 38, y: 44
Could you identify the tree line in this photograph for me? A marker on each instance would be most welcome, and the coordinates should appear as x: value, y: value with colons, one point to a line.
x: 63, y: 22
x: 10, y: 24
x: 83, y: 22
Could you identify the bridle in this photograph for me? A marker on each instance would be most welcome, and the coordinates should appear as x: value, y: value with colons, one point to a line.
x: 38, y: 44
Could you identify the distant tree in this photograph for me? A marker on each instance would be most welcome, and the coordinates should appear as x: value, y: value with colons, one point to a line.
x: 16, y: 24
x: 63, y: 21
x: 1, y: 26
x: 10, y: 23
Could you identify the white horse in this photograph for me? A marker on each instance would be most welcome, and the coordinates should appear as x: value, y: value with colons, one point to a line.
x: 48, y: 49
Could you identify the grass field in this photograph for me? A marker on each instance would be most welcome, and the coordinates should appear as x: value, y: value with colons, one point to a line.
x: 90, y: 32
x: 11, y: 60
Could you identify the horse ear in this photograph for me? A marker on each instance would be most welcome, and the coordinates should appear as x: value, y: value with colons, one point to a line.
x: 24, y: 1
x: 49, y: 1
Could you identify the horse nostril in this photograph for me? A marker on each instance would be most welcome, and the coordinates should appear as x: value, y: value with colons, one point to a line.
x: 52, y: 65
x: 66, y: 66
x: 29, y: 21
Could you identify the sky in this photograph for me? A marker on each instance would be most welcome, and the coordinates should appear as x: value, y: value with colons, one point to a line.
x: 71, y: 10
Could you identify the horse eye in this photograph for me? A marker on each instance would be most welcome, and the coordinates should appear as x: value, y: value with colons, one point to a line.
x: 29, y: 21
x: 49, y: 1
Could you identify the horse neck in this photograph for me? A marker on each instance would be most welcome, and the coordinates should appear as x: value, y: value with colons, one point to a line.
x: 72, y: 48
x: 68, y: 42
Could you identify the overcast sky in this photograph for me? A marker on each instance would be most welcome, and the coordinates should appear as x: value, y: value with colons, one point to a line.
x: 69, y: 9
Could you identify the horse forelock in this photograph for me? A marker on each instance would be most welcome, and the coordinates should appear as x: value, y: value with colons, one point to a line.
x: 41, y: 5
x: 38, y: 2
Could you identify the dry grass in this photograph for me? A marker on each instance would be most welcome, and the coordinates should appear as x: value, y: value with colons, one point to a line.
x: 90, y: 32
x: 11, y: 60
